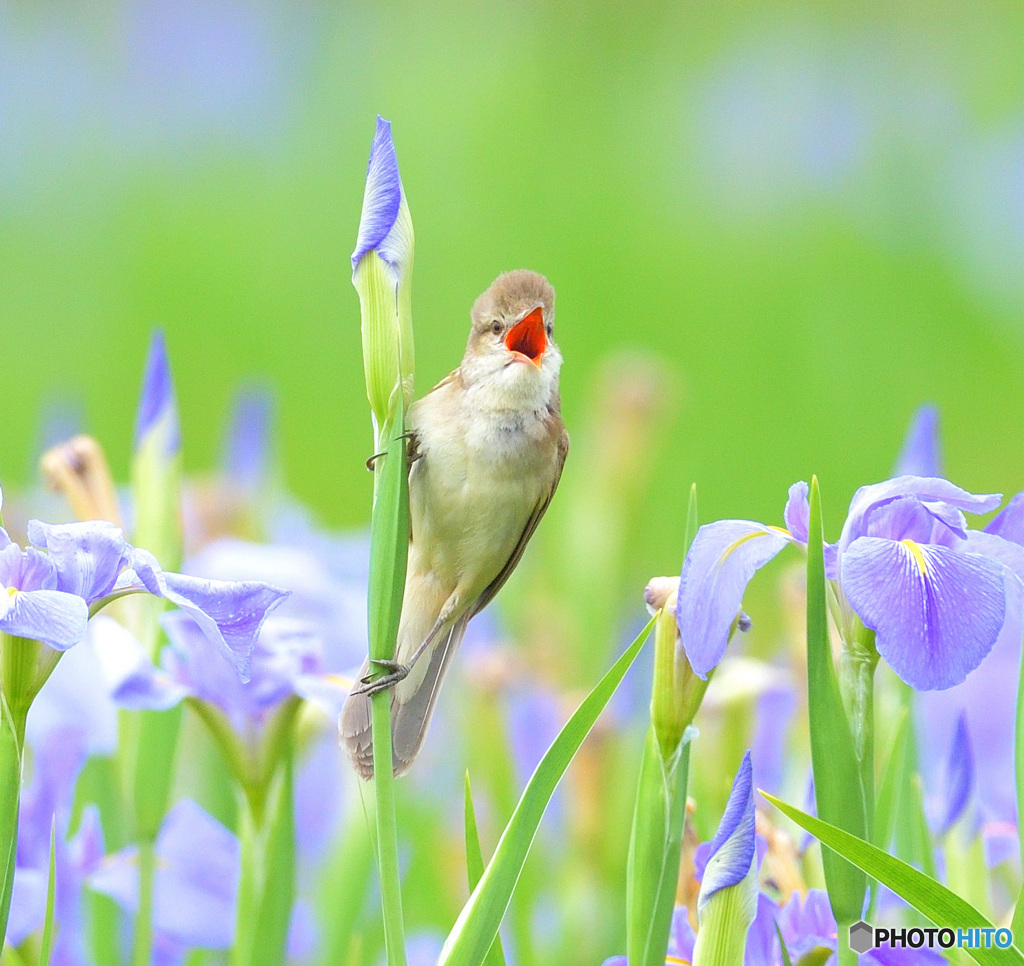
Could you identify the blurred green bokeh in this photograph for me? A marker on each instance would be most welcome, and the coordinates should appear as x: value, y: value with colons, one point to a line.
x: 813, y: 218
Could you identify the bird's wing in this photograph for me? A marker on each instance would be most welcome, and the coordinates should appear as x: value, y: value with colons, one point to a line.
x: 531, y: 524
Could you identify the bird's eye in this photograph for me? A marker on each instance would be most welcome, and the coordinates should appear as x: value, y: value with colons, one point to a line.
x: 550, y: 328
x: 496, y: 327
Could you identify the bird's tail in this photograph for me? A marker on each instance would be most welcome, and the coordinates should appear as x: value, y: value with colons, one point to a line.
x: 410, y: 716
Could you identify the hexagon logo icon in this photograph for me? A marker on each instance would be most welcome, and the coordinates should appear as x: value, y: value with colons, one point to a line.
x: 862, y: 937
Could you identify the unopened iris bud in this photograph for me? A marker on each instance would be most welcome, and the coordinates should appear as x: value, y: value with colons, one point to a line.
x: 727, y: 902
x: 156, y: 465
x: 382, y: 275
x: 677, y: 691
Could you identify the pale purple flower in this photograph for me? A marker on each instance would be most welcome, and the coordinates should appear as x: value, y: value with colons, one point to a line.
x: 935, y: 593
x: 88, y: 564
x: 196, y: 879
x: 57, y: 761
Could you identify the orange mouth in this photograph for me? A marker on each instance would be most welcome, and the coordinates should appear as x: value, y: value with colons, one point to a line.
x: 526, y: 338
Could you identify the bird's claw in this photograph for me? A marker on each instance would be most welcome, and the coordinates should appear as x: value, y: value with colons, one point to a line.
x: 395, y: 672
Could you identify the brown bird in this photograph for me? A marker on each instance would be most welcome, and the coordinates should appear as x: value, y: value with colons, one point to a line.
x: 487, y: 446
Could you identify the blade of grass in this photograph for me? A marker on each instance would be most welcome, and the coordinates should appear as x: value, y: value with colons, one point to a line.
x: 51, y: 887
x: 478, y: 923
x: 838, y: 790
x: 932, y: 899
x: 475, y: 870
x: 655, y: 852
x: 279, y: 882
x: 786, y: 961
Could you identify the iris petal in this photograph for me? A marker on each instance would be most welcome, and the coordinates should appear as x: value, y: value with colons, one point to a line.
x: 382, y: 198
x: 50, y: 616
x: 88, y: 556
x: 732, y: 848
x: 798, y: 512
x: 936, y: 613
x: 920, y: 454
x: 722, y: 559
x: 926, y: 489
x: 1009, y: 522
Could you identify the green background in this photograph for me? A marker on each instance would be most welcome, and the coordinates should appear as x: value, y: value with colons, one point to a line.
x: 807, y: 219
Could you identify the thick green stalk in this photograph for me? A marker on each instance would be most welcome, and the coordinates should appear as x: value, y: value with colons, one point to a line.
x: 142, y: 942
x: 12, y: 743
x: 857, y: 683
x: 387, y: 829
x: 719, y: 941
x: 388, y: 559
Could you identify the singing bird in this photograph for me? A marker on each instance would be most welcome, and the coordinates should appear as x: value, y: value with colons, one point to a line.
x: 486, y: 450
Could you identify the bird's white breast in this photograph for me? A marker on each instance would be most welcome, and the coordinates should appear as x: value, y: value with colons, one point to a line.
x: 482, y: 475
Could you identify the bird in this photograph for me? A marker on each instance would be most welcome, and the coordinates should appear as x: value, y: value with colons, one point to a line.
x: 486, y: 447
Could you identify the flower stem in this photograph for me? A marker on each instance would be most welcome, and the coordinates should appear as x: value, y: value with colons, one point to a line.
x: 387, y: 829
x: 142, y: 945
x: 857, y: 683
x: 12, y: 744
x: 845, y: 955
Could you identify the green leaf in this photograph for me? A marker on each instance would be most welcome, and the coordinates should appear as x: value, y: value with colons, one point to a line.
x: 11, y: 738
x: 154, y: 768
x: 837, y: 784
x: 691, y: 519
x: 889, y: 790
x: 275, y: 907
x: 783, y: 949
x: 888, y: 804
x: 1017, y: 925
x: 51, y: 888
x: 475, y: 869
x: 932, y: 899
x: 654, y: 851
x: 478, y: 923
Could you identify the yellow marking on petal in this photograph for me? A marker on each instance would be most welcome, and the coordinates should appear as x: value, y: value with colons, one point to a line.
x: 918, y: 554
x: 12, y: 591
x: 676, y: 959
x: 749, y: 536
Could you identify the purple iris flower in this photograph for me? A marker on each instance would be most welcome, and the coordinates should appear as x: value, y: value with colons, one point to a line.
x: 196, y: 879
x: 57, y: 761
x: 935, y: 593
x: 88, y: 564
x: 285, y: 661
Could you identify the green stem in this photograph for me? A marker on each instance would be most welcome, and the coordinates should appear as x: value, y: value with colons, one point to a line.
x: 845, y: 955
x: 387, y: 828
x: 857, y: 683
x: 12, y: 743
x: 142, y: 946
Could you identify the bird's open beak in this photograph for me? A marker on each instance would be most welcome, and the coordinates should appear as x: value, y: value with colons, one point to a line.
x: 527, y: 338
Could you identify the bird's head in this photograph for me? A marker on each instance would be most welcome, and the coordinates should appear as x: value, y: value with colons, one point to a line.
x: 511, y: 346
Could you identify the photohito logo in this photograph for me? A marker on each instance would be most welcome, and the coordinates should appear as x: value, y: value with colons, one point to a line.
x: 864, y: 937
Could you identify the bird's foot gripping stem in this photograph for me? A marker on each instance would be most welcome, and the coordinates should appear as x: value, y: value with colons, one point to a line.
x: 395, y: 672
